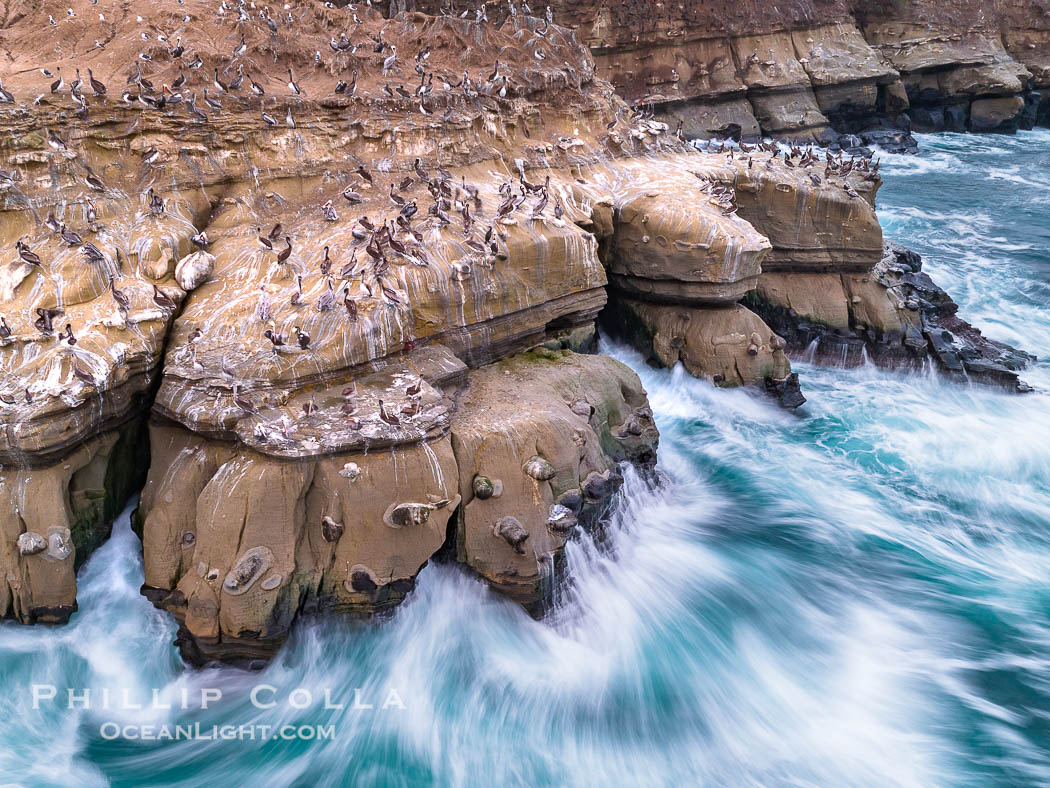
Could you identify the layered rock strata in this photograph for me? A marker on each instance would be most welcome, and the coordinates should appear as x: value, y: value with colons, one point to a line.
x: 680, y: 259
x: 504, y: 462
x: 954, y: 81
x: 84, y: 314
x: 811, y: 70
x: 318, y: 265
x: 893, y: 315
x: 313, y: 244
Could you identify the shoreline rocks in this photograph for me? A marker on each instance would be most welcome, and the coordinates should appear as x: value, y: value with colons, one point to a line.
x: 894, y: 316
x: 238, y: 542
x: 811, y: 70
x: 356, y: 319
x: 53, y: 517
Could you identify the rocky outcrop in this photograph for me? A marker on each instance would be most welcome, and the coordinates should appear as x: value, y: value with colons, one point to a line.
x: 318, y: 266
x: 240, y: 537
x: 87, y: 296
x: 812, y: 69
x: 1025, y: 28
x: 954, y: 80
x: 679, y: 260
x: 52, y: 517
x: 893, y: 315
x: 531, y: 474
x: 350, y: 285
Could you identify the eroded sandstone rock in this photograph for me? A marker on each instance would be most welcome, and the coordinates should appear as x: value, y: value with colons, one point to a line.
x: 52, y: 517
x: 893, y: 315
x: 730, y: 346
x: 555, y: 465
x: 272, y: 537
x: 334, y: 276
x: 791, y: 69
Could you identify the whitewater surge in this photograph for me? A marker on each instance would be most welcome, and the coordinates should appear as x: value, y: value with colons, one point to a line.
x: 853, y: 594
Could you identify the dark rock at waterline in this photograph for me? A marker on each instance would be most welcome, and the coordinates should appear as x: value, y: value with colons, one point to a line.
x: 905, y: 258
x: 1042, y: 108
x: 955, y: 119
x: 959, y: 347
x: 825, y: 344
x: 51, y: 614
x: 933, y: 331
x: 788, y: 392
x: 930, y: 296
x: 890, y: 140
x: 927, y: 119
x: 248, y: 651
x: 963, y: 352
x: 571, y: 500
x: 1029, y: 116
x: 852, y: 145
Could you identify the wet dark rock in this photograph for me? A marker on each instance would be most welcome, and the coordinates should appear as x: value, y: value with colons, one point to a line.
x: 955, y: 118
x: 51, y: 614
x: 927, y: 119
x: 930, y: 296
x: 934, y: 331
x: 1029, y: 117
x: 572, y: 500
x: 959, y: 348
x: 1042, y: 108
x: 914, y: 339
x: 788, y: 391
x: 402, y: 585
x: 600, y: 486
x: 890, y: 140
x: 513, y: 532
x: 905, y: 258
x: 330, y: 529
x: 963, y: 352
x: 561, y: 519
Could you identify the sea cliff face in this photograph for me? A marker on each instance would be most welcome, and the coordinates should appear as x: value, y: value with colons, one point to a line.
x: 812, y: 70
x: 337, y: 276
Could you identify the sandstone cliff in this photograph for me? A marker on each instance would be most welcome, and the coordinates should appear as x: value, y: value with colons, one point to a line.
x: 348, y: 267
x: 813, y: 69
